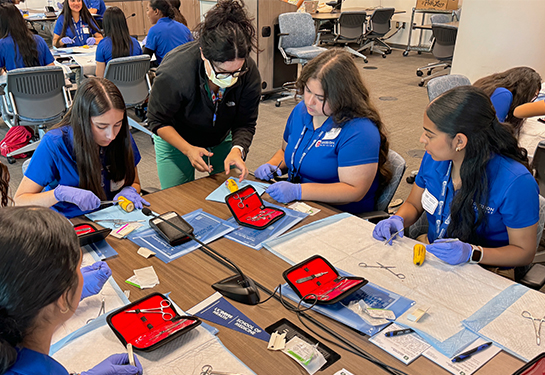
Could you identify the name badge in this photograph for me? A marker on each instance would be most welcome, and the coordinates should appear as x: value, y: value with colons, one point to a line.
x: 332, y: 134
x: 85, y: 30
x: 116, y: 185
x: 429, y: 202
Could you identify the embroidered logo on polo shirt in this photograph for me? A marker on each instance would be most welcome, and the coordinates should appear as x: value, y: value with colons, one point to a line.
x: 325, y: 143
x: 230, y: 104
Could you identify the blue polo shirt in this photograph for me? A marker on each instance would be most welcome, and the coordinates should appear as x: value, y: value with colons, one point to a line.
x: 10, y: 59
x: 166, y: 35
x: 104, y: 49
x: 54, y: 163
x: 81, y: 31
x: 513, y: 198
x: 328, y: 148
x: 501, y: 99
x: 96, y: 4
x: 30, y: 362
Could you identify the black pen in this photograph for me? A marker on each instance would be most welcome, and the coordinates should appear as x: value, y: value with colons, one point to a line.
x: 469, y: 353
x: 398, y: 332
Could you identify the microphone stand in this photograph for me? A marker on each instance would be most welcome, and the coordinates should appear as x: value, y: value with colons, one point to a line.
x: 238, y: 287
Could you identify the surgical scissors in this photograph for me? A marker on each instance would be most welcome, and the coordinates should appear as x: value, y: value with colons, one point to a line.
x: 537, y: 329
x: 207, y: 370
x: 240, y: 199
x: 156, y: 310
x: 118, y: 223
x: 387, y: 268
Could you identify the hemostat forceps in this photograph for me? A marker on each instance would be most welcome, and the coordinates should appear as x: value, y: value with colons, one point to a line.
x: 207, y: 370
x: 387, y: 268
x: 537, y: 328
x: 156, y: 310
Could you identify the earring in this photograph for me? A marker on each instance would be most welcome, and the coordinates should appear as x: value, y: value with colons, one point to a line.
x: 458, y: 149
x: 65, y: 311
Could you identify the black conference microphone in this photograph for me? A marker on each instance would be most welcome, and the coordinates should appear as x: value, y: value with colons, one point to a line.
x: 131, y: 16
x: 239, y: 287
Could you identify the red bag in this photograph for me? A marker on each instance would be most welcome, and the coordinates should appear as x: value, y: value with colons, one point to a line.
x: 16, y: 137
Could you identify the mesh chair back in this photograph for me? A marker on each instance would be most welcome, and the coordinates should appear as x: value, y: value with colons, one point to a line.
x: 445, y: 40
x: 439, y: 85
x: 397, y: 166
x: 129, y: 75
x: 352, y: 24
x: 380, y: 21
x: 299, y: 27
x: 440, y: 18
x: 37, y: 92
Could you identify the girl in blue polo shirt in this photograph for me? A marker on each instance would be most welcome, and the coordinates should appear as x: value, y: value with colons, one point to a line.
x: 474, y: 183
x: 41, y: 281
x: 334, y: 146
x: 75, y: 26
x: 88, y: 158
x: 117, y: 41
x: 19, y: 48
x: 166, y: 34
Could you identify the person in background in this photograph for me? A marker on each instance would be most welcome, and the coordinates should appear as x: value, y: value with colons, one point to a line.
x: 179, y: 17
x: 89, y: 157
x: 166, y: 34
x: 5, y: 199
x: 531, y: 109
x: 507, y: 90
x: 96, y: 7
x: 334, y: 148
x: 19, y: 47
x: 205, y: 113
x: 75, y: 26
x: 474, y: 183
x: 40, y: 288
x: 117, y: 41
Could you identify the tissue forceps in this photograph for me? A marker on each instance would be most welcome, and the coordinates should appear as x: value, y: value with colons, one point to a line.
x: 207, y: 370
x: 387, y: 268
x: 537, y: 329
x: 156, y: 310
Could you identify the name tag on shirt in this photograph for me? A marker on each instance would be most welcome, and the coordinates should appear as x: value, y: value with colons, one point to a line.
x: 85, y: 30
x: 332, y: 134
x: 429, y: 202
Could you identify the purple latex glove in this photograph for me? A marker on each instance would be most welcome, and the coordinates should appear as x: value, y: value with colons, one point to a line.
x: 67, y: 40
x: 117, y: 364
x: 285, y: 192
x: 386, y: 228
x: 94, y: 278
x: 266, y: 172
x: 131, y: 194
x: 86, y: 200
x: 90, y: 41
x: 450, y: 251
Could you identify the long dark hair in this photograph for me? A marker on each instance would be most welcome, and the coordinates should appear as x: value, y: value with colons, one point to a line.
x: 522, y: 81
x: 469, y: 111
x: 13, y: 24
x: 178, y: 16
x: 4, y: 186
x: 164, y: 7
x: 227, y: 32
x: 94, y: 97
x: 115, y: 27
x: 347, y: 96
x: 39, y: 256
x: 84, y: 14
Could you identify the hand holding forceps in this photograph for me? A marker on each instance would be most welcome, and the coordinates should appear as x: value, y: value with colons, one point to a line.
x: 156, y: 310
x: 207, y: 370
x: 537, y: 328
x: 118, y: 223
x: 387, y: 268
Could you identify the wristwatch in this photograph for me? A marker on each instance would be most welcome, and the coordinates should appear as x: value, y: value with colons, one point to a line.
x: 476, y: 254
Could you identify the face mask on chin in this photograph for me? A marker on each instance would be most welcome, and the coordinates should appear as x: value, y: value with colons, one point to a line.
x: 222, y: 83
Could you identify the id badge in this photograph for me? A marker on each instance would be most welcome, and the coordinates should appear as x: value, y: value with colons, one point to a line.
x: 332, y: 134
x: 85, y: 30
x: 429, y: 202
x: 116, y: 185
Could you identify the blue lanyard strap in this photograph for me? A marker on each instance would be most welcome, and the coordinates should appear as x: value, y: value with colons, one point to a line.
x: 440, y: 226
x: 78, y: 27
x: 293, y: 171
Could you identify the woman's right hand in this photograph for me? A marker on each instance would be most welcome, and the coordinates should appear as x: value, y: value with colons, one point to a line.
x: 67, y: 40
x: 195, y: 156
x: 267, y: 172
x: 386, y: 228
x: 86, y: 200
x: 117, y: 364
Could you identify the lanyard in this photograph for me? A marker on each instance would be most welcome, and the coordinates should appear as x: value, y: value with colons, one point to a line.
x: 293, y: 171
x: 441, y: 227
x: 79, y: 31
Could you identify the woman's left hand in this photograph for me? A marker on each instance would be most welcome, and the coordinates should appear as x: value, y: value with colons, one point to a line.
x: 235, y: 158
x: 450, y: 251
x: 131, y: 194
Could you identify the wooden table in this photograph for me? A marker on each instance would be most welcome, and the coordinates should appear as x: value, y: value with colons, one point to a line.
x: 189, y: 279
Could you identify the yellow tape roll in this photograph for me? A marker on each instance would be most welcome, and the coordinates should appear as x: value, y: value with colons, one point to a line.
x: 231, y: 185
x: 126, y: 204
x: 419, y: 254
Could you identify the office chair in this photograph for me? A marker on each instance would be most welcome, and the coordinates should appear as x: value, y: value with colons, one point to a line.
x: 130, y: 75
x: 351, y: 29
x: 379, y: 26
x: 443, y: 50
x: 440, y: 18
x: 397, y: 165
x: 297, y: 43
x: 36, y: 97
x: 439, y: 85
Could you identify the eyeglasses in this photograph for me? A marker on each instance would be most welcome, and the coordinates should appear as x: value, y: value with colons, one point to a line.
x: 223, y: 75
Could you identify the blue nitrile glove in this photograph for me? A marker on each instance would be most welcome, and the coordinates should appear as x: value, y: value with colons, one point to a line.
x: 285, y: 192
x: 86, y: 200
x: 385, y: 228
x: 452, y: 252
x: 90, y: 41
x: 117, y: 364
x: 94, y: 278
x: 266, y: 172
x: 131, y: 194
x: 67, y: 40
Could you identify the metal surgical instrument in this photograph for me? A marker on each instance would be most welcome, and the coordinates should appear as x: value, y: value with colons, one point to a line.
x: 156, y: 310
x: 537, y: 328
x: 387, y: 268
x: 207, y: 370
x: 119, y: 222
